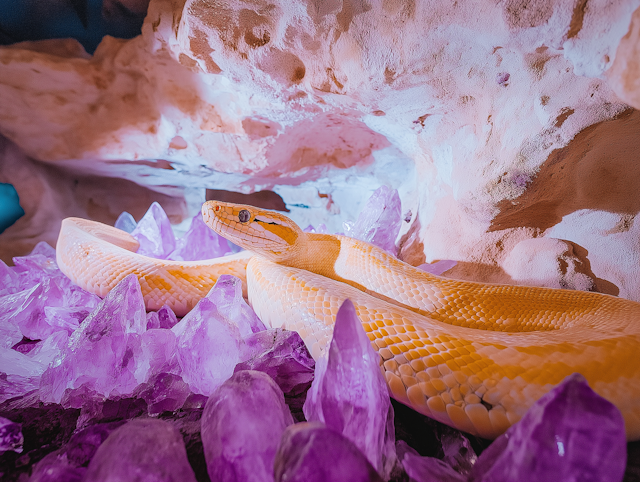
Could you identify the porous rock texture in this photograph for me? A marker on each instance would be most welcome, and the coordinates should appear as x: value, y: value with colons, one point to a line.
x: 498, y: 122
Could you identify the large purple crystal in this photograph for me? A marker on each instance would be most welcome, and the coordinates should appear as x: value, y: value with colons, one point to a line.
x: 570, y: 434
x: 241, y: 428
x: 154, y: 233
x: 380, y: 220
x: 227, y: 296
x: 312, y: 452
x: 100, y: 352
x: 164, y: 392
x: 141, y: 450
x: 208, y: 347
x: 283, y: 356
x: 199, y: 242
x: 84, y: 444
x: 10, y: 436
x: 349, y: 393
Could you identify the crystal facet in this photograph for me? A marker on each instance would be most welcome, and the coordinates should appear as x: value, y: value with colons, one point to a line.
x: 438, y: 267
x: 380, y: 220
x: 100, y: 351
x: 429, y: 469
x: 154, y: 233
x: 126, y: 222
x: 56, y: 468
x: 241, y: 427
x: 283, y: 356
x: 10, y: 436
x: 142, y: 449
x: 312, y: 452
x: 571, y: 433
x: 199, y: 242
x: 349, y: 393
x: 208, y: 347
x: 227, y: 296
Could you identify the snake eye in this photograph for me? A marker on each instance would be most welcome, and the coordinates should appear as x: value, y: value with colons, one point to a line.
x: 244, y: 216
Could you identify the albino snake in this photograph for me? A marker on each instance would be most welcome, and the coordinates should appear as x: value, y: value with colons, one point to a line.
x: 472, y: 355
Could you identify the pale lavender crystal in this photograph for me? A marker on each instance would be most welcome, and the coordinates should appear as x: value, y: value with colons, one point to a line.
x: 49, y: 349
x: 126, y: 222
x: 438, y: 267
x: 312, y: 452
x: 10, y: 436
x: 227, y: 296
x: 9, y: 280
x: 163, y: 318
x: 29, y: 314
x: 154, y: 233
x: 283, y: 356
x: 429, y: 469
x: 156, y: 354
x: 571, y: 434
x: 199, y: 242
x: 141, y: 450
x: 241, y: 428
x: 56, y: 468
x: 16, y: 386
x: 164, y: 392
x: 100, y: 352
x: 208, y: 347
x: 349, y: 393
x: 380, y: 220
x: 39, y: 265
x: 67, y: 319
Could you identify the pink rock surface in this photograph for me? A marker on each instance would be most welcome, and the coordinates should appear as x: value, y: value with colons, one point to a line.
x: 312, y: 452
x: 242, y: 424
x: 100, y: 352
x: 199, y: 242
x: 141, y: 450
x: 571, y: 433
x: 349, y: 393
x: 154, y: 233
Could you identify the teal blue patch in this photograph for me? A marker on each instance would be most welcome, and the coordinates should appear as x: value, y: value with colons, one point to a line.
x: 10, y: 209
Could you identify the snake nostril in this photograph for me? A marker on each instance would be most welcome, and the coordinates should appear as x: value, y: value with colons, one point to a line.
x: 217, y: 208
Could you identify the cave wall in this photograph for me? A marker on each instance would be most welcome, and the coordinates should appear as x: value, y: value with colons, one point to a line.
x: 509, y: 128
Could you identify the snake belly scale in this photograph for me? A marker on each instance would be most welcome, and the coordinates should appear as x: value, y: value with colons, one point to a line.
x: 475, y: 356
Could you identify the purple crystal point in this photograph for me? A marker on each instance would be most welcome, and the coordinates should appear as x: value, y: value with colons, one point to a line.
x: 355, y: 400
x: 208, y: 347
x: 312, y: 452
x: 438, y: 267
x: 571, y: 434
x: 429, y: 469
x: 30, y: 314
x: 156, y: 354
x: 227, y: 296
x: 154, y: 233
x: 283, y: 356
x: 39, y: 265
x: 100, y: 351
x: 126, y: 222
x: 10, y: 436
x: 199, y: 242
x: 142, y: 450
x: 167, y: 318
x: 241, y: 427
x: 380, y: 220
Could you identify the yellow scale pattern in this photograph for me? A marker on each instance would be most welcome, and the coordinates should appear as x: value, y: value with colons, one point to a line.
x: 478, y: 381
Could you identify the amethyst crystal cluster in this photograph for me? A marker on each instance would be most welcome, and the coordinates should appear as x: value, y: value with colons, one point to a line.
x: 101, y: 390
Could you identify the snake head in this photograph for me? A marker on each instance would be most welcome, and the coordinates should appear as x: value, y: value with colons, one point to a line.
x: 268, y: 233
